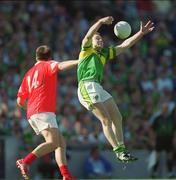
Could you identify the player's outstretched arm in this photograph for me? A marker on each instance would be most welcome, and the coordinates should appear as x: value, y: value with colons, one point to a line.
x: 94, y: 28
x: 144, y: 29
x: 67, y: 64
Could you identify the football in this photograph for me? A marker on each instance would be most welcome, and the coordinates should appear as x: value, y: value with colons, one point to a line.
x: 122, y: 29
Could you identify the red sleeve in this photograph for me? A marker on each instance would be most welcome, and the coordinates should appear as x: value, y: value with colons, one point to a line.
x: 23, y: 90
x: 53, y: 67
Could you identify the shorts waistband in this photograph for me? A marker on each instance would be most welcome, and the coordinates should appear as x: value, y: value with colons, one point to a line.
x: 89, y: 80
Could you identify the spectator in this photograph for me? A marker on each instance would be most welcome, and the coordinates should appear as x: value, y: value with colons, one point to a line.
x: 96, y: 166
x: 164, y: 126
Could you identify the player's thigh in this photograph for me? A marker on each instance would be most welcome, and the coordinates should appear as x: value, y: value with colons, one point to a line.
x: 51, y: 135
x: 55, y: 136
x: 101, y: 113
x: 113, y: 110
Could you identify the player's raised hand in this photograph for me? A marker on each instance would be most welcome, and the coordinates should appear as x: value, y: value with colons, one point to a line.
x: 148, y: 27
x: 107, y: 20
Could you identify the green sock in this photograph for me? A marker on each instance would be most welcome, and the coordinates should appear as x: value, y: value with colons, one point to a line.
x: 119, y: 148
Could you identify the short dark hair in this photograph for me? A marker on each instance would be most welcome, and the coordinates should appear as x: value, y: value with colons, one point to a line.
x: 43, y: 53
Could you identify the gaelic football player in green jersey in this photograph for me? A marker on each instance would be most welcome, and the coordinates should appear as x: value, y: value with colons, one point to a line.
x: 92, y: 59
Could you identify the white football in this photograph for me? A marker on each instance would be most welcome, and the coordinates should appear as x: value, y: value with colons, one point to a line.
x: 122, y: 29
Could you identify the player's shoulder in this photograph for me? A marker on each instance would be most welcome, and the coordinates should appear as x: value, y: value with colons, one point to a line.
x: 29, y: 71
x: 36, y: 66
x: 52, y: 65
x: 87, y: 47
x: 49, y: 62
x: 105, y: 49
x: 108, y: 49
x: 46, y: 64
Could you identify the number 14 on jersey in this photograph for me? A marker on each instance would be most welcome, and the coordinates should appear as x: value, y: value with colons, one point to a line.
x: 33, y: 81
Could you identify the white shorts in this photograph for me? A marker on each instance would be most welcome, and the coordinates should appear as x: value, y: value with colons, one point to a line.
x: 90, y: 92
x: 42, y: 121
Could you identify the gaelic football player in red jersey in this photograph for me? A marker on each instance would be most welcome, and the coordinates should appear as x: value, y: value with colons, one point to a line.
x: 38, y: 88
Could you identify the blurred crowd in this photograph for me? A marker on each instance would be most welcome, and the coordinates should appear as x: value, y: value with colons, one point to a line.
x: 142, y: 80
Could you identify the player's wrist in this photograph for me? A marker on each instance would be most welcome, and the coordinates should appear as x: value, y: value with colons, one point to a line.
x: 100, y: 22
x: 141, y: 33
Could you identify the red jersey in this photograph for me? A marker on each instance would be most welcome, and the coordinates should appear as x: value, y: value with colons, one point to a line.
x: 39, y: 87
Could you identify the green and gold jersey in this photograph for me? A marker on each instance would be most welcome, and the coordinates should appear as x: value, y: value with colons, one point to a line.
x: 91, y: 63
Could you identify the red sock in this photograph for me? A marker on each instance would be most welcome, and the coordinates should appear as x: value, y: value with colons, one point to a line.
x: 64, y: 171
x: 29, y: 158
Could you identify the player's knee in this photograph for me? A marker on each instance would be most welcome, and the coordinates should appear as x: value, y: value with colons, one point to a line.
x: 106, y: 123
x: 61, y: 144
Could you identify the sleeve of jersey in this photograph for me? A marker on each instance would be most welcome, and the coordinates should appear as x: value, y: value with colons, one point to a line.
x: 85, y: 51
x: 23, y: 91
x: 53, y: 67
x: 111, y: 53
x: 85, y: 48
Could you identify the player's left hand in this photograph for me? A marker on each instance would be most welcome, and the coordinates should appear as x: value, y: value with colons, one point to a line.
x: 148, y: 27
x: 107, y: 20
